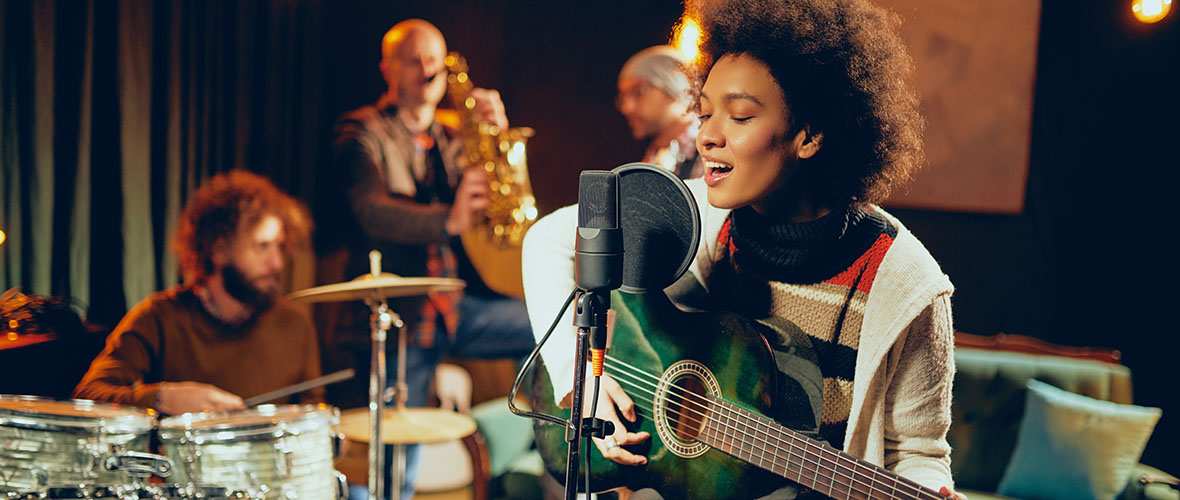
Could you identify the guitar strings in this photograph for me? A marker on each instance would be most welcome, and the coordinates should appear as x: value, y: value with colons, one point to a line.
x: 651, y: 392
x: 687, y: 416
x: 803, y: 460
x: 783, y: 436
x: 854, y: 479
x: 859, y: 467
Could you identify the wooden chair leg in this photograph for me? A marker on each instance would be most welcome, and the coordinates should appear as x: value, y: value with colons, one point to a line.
x: 481, y: 465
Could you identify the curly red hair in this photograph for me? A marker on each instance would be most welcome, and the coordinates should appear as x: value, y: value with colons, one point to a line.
x: 224, y: 207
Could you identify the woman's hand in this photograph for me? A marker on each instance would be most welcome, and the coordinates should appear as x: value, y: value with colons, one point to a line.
x: 610, y: 395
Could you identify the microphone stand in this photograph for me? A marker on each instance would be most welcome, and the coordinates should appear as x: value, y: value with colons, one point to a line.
x: 590, y: 314
x: 598, y: 269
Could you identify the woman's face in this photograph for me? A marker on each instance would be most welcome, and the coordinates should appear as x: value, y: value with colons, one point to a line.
x: 750, y: 157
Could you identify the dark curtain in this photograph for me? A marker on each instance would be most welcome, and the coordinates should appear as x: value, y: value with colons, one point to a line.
x: 111, y: 113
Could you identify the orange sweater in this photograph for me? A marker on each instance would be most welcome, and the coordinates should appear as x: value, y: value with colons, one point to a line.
x: 169, y: 337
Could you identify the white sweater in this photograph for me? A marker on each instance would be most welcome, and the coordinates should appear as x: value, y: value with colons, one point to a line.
x: 904, y: 367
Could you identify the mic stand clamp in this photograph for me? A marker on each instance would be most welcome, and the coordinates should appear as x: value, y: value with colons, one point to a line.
x: 590, y: 312
x: 592, y: 427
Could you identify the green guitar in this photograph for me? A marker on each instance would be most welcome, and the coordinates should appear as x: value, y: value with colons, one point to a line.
x: 708, y: 388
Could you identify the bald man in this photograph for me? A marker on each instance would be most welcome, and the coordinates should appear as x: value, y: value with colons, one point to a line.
x: 402, y: 186
x: 654, y: 97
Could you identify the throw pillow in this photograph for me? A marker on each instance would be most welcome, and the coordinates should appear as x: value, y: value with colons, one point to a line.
x: 1072, y: 447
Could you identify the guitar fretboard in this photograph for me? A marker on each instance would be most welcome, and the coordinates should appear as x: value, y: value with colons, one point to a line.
x: 769, y: 445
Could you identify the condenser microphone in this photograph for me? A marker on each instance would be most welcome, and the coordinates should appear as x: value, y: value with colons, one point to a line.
x: 598, y: 252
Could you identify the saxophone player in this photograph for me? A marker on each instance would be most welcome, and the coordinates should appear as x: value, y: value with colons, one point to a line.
x: 400, y: 185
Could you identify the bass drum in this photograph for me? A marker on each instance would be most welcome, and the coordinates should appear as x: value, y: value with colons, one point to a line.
x: 45, y: 441
x: 273, y: 452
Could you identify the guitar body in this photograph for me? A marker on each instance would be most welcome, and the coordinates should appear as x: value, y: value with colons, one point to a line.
x: 657, y: 353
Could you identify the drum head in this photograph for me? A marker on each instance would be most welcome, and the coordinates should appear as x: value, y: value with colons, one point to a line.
x: 33, y: 412
x: 261, y: 421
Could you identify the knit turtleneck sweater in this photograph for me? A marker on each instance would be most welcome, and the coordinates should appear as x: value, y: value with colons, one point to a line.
x: 815, y: 275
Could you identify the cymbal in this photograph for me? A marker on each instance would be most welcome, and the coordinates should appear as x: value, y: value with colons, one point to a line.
x: 408, y: 425
x: 384, y: 286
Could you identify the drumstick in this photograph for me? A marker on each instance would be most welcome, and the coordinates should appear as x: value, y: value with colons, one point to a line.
x: 302, y: 386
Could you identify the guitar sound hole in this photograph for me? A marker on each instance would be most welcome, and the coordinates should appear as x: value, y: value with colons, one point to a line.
x: 687, y: 407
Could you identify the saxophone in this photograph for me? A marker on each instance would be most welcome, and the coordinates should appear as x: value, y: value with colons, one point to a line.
x: 493, y: 246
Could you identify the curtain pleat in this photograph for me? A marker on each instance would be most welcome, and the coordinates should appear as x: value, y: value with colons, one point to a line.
x: 175, y: 172
x: 135, y: 98
x: 40, y: 171
x: 81, y: 208
x: 113, y: 113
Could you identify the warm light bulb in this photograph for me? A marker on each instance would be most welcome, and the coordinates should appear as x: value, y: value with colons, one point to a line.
x: 1150, y: 11
x: 688, y: 39
x: 2, y: 237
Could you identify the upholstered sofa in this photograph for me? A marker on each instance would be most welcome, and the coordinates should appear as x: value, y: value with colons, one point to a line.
x: 1002, y: 444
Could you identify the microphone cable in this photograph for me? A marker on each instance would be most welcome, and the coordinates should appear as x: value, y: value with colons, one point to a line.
x: 529, y: 363
x: 544, y: 417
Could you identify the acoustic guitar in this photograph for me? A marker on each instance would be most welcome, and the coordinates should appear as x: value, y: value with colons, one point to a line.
x: 725, y: 422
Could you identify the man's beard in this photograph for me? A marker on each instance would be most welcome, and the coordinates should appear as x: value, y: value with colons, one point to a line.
x: 241, y: 288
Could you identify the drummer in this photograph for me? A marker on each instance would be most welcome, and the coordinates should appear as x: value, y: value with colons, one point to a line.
x: 226, y: 333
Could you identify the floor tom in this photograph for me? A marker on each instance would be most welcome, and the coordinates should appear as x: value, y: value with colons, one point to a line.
x: 45, y: 441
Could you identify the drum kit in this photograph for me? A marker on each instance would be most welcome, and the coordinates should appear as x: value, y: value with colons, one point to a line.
x: 78, y: 449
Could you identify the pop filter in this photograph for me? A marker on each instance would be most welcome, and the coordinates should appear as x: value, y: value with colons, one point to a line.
x: 661, y: 227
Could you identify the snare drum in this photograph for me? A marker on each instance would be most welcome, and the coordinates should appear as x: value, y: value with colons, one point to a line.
x: 45, y: 441
x: 270, y: 451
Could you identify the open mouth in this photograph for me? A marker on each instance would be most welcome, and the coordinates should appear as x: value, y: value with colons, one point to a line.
x: 716, y: 171
x: 718, y: 167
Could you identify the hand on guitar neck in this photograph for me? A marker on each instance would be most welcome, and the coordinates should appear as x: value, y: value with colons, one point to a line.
x: 610, y: 397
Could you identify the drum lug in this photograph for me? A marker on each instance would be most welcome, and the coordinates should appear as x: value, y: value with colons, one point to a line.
x: 192, y: 459
x: 341, y: 485
x: 39, y: 477
x: 285, y: 460
x: 337, y: 445
x: 92, y: 459
x: 254, y: 488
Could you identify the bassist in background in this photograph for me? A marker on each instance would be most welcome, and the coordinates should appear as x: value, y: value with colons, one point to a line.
x: 806, y: 122
x: 399, y: 185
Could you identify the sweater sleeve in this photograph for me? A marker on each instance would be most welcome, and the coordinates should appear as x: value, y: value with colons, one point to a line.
x: 383, y: 216
x: 119, y: 372
x: 311, y: 361
x: 918, y: 400
x: 548, y: 275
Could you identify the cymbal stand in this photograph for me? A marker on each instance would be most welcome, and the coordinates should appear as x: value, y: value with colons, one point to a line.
x: 381, y: 320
